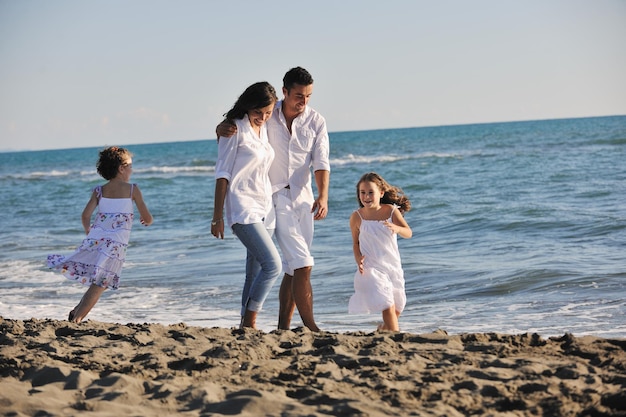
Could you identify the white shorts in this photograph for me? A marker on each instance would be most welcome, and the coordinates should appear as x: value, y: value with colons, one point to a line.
x: 294, y: 231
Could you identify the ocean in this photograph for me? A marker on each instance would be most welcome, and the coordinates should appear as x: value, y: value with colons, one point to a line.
x: 517, y: 227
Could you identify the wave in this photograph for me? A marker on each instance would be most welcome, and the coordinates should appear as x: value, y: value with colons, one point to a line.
x: 38, y: 175
x: 349, y: 159
x: 202, y: 168
x: 55, y: 174
x: 174, y: 171
x: 362, y: 159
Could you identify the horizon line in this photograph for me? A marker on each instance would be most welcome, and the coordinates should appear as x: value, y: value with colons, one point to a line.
x: 8, y: 150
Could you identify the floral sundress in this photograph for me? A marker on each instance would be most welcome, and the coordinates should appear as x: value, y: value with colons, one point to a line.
x: 100, y: 258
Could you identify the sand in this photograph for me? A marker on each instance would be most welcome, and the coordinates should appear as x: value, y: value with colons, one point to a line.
x: 55, y: 368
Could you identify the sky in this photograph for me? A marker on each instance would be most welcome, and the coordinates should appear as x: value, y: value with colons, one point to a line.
x: 83, y: 73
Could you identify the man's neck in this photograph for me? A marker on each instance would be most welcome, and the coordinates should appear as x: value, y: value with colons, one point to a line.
x: 289, y: 117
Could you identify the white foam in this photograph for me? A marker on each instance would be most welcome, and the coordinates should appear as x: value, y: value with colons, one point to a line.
x: 92, y: 174
x: 362, y: 159
x: 17, y: 271
x: 175, y: 170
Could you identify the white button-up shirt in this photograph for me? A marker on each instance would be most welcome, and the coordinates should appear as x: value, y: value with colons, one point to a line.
x: 244, y: 161
x: 306, y: 146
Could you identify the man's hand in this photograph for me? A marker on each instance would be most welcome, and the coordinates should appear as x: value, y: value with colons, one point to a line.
x: 320, y: 208
x: 225, y: 129
x: 320, y: 205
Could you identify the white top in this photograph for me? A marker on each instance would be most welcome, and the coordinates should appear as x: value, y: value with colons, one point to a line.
x: 379, y: 245
x: 244, y: 161
x: 306, y: 146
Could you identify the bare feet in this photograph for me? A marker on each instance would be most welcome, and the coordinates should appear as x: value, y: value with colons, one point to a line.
x: 71, y: 316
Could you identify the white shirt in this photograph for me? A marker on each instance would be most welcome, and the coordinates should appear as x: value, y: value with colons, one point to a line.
x: 244, y: 161
x: 306, y: 146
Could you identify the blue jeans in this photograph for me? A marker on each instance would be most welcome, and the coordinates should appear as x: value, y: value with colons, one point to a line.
x: 263, y: 265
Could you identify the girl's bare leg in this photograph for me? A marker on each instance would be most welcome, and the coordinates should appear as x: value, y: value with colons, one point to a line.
x: 390, y: 319
x: 89, y: 300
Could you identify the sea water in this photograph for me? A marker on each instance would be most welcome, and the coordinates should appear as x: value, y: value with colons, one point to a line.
x: 517, y: 227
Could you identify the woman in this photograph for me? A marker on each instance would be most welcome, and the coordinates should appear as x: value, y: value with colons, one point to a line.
x: 243, y: 188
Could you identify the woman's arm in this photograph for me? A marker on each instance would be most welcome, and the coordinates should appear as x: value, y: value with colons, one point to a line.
x: 226, y: 156
x: 225, y: 129
x: 217, y: 224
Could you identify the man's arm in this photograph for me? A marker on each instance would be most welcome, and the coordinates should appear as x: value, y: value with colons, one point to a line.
x: 320, y: 205
x: 226, y: 129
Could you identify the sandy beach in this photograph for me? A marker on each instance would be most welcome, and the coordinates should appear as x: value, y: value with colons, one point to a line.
x: 55, y: 368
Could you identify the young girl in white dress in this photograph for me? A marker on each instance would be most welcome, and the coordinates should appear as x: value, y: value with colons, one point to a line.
x: 379, y: 280
x: 98, y: 261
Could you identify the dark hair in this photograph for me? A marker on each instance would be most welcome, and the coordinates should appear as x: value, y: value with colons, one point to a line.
x: 297, y: 75
x: 257, y: 96
x: 393, y: 195
x: 109, y: 161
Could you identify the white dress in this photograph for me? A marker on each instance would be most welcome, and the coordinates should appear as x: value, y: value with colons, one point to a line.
x: 100, y: 258
x: 382, y: 283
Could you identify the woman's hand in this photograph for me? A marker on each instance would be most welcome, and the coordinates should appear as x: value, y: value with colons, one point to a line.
x: 217, y: 228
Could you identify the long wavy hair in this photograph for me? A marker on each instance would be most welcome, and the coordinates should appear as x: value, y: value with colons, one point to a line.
x: 392, y: 194
x: 257, y: 96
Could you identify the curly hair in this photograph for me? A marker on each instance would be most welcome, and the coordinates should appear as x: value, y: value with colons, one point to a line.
x: 110, y: 159
x: 392, y: 194
x: 297, y: 75
x: 257, y: 96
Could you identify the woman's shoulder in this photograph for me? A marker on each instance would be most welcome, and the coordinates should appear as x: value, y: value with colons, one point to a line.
x: 244, y: 129
x: 243, y: 123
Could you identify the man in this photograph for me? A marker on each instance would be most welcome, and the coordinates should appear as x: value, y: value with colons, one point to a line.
x: 300, y: 141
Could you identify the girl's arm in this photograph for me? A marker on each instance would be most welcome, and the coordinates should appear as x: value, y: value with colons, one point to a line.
x: 399, y: 225
x: 355, y: 223
x: 144, y: 214
x: 217, y: 224
x: 88, y: 211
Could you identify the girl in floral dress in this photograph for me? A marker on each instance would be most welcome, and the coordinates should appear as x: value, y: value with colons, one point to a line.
x: 98, y: 261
